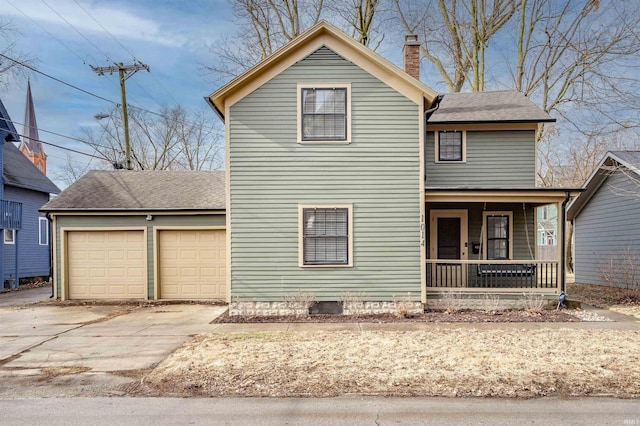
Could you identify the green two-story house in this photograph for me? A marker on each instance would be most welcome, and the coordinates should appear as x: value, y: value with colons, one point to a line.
x: 347, y: 175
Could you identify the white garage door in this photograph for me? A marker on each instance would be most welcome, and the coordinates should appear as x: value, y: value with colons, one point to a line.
x: 106, y: 265
x: 192, y: 264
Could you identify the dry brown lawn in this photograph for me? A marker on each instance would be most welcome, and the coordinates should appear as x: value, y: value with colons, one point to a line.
x: 621, y: 300
x: 437, y: 362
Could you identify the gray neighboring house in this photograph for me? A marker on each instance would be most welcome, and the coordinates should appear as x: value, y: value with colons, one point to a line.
x: 606, y: 219
x: 141, y: 235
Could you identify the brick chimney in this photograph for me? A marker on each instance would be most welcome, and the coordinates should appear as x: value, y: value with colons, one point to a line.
x: 411, y: 56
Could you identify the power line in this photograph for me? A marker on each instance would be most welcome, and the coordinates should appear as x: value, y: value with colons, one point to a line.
x: 58, y: 80
x: 90, y: 93
x: 78, y: 31
x: 106, y: 31
x: 133, y: 55
x: 48, y: 33
x: 91, y: 144
x: 59, y: 146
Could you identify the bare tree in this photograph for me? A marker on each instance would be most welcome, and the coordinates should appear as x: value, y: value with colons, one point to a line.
x: 266, y: 25
x: 365, y: 20
x: 456, y: 35
x: 72, y: 170
x: 171, y: 140
x: 263, y: 27
x: 574, y: 57
x: 10, y: 69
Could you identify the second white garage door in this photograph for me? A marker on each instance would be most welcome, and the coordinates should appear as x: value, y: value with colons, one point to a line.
x: 192, y: 264
x: 106, y: 265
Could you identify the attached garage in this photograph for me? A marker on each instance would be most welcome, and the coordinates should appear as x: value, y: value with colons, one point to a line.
x: 192, y: 264
x: 106, y: 264
x: 141, y: 235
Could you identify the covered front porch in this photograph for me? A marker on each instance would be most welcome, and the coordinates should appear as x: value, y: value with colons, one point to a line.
x: 485, y: 240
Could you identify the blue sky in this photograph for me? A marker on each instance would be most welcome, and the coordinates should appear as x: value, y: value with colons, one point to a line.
x: 169, y: 36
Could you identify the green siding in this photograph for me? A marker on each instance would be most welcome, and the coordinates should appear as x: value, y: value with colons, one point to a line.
x: 270, y: 174
x: 503, y: 158
x: 124, y: 221
x: 521, y: 243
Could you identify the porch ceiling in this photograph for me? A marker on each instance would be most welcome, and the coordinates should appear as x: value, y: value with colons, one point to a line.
x: 499, y: 195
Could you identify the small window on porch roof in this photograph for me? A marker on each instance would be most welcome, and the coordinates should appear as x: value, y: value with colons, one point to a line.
x: 450, y: 146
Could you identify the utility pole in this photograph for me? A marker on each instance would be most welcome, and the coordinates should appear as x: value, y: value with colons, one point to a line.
x: 124, y: 71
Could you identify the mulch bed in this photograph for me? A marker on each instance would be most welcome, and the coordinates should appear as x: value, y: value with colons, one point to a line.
x: 430, y: 316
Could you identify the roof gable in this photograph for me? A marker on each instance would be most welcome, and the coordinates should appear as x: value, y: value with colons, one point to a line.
x: 124, y: 190
x: 630, y: 160
x: 322, y: 34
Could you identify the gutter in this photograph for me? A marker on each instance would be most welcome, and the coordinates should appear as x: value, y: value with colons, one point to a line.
x: 428, y: 113
x: 563, y: 249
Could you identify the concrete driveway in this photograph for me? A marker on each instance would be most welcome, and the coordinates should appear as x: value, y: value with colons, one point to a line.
x: 51, y: 349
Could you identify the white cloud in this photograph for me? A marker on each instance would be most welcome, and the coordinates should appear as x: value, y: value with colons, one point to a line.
x: 124, y: 24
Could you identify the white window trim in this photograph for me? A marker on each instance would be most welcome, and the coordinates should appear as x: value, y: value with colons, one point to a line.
x: 436, y: 138
x: 42, y: 220
x: 4, y: 236
x: 349, y: 208
x: 299, y: 111
x: 484, y: 231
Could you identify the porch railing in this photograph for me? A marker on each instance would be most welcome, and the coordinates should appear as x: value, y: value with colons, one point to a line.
x: 492, y: 274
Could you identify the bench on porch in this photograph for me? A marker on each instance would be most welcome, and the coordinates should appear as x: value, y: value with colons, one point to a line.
x: 505, y: 275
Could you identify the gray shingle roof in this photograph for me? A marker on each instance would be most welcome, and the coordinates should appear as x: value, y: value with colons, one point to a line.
x: 143, y: 190
x: 500, y: 106
x: 7, y: 129
x: 20, y: 172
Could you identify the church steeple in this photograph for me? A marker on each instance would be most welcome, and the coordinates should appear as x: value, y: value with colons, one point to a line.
x: 30, y: 145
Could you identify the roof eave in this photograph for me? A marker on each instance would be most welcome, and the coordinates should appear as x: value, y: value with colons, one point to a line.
x: 44, y: 209
x: 549, y: 120
x: 219, y: 97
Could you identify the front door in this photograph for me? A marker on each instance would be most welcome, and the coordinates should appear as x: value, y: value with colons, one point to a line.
x: 448, y: 241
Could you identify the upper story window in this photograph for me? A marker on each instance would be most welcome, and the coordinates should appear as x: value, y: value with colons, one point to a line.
x: 324, y: 113
x: 451, y: 146
x: 325, y: 235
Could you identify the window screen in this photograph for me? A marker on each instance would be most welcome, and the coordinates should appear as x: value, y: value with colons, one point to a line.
x: 324, y: 114
x: 326, y: 236
x: 497, y: 237
x: 450, y: 146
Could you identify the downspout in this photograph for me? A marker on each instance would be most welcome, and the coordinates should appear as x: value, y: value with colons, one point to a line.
x: 16, y: 241
x: 563, y: 249
x: 51, y: 241
x: 427, y: 115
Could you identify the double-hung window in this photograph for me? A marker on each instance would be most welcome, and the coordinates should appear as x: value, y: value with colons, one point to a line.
x: 326, y: 235
x: 450, y: 146
x: 324, y: 113
x: 43, y: 231
x: 499, y: 230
